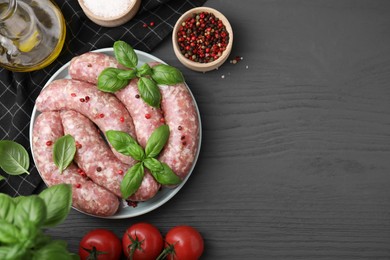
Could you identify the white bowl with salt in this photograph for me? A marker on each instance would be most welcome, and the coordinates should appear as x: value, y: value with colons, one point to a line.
x: 110, y: 13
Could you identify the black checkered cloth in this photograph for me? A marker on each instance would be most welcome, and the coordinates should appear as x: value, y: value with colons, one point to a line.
x: 18, y: 91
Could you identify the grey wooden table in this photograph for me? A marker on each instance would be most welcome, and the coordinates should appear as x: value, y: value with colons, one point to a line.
x: 295, y: 157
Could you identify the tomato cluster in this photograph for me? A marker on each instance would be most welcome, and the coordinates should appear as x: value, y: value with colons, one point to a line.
x: 142, y: 241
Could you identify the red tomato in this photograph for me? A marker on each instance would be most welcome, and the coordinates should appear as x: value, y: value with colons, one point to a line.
x: 100, y: 244
x: 185, y: 243
x: 143, y: 241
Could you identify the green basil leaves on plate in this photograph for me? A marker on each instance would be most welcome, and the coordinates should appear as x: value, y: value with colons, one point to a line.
x: 125, y: 144
x: 64, y: 150
x: 114, y: 79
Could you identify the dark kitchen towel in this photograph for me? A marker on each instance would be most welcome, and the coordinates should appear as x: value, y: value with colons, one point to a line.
x: 18, y: 91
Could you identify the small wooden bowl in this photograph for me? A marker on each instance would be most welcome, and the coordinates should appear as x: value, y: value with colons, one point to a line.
x: 198, y: 66
x: 111, y: 21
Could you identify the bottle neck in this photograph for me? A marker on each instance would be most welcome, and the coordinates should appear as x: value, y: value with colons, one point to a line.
x: 7, y: 9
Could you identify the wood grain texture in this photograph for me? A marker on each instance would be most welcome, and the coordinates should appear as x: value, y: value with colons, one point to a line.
x: 295, y: 157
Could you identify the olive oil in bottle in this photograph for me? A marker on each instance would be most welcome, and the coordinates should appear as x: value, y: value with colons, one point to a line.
x: 32, y: 34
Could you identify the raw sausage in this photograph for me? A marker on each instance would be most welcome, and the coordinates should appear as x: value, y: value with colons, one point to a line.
x: 146, y: 119
x: 182, y: 118
x: 98, y: 162
x: 104, y: 109
x: 86, y: 195
x: 88, y: 66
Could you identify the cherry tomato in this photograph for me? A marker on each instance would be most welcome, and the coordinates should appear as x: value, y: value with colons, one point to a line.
x: 100, y: 244
x: 184, y: 243
x: 142, y: 241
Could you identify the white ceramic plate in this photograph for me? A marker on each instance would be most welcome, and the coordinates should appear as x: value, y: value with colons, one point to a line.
x: 164, y: 194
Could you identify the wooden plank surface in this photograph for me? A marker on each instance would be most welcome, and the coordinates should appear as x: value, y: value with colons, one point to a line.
x: 295, y: 157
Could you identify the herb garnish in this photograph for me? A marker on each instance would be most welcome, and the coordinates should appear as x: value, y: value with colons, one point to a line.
x: 64, y: 151
x: 14, y: 158
x: 125, y: 144
x: 113, y: 79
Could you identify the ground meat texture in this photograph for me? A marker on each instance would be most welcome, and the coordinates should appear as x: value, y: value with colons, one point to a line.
x: 182, y: 118
x: 104, y: 109
x: 145, y: 118
x: 86, y: 195
x: 88, y: 66
x: 96, y: 159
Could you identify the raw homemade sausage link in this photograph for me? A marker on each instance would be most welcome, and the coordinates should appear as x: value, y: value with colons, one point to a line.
x: 95, y: 158
x: 104, y: 109
x: 182, y: 118
x: 86, y: 195
x: 88, y: 66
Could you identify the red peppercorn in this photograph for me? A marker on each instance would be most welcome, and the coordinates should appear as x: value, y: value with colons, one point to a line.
x: 49, y: 143
x: 78, y: 185
x: 122, y: 119
x: 179, y: 128
x: 73, y: 94
x: 101, y: 115
x: 151, y: 24
x: 87, y: 98
x: 120, y: 172
x: 137, y: 96
x: 132, y: 203
x: 98, y: 169
x: 162, y: 120
x: 148, y: 116
x: 144, y: 25
x: 78, y: 145
x: 82, y: 100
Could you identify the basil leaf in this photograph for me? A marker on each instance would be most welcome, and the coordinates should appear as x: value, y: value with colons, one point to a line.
x: 12, y: 252
x: 132, y: 180
x: 14, y: 158
x: 30, y: 208
x: 28, y: 233
x: 167, y: 75
x: 125, y: 54
x: 153, y: 164
x: 9, y: 234
x: 149, y: 91
x: 58, y: 200
x: 157, y: 141
x: 120, y: 140
x: 54, y: 250
x: 166, y: 176
x: 109, y: 81
x: 127, y: 74
x: 7, y: 208
x: 144, y: 70
x: 64, y: 150
x: 1, y: 178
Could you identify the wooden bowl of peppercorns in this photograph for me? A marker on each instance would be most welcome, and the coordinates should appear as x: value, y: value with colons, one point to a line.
x: 202, y: 39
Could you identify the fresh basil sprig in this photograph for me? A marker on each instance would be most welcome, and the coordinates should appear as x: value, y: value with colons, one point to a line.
x: 14, y: 158
x: 22, y: 223
x: 113, y: 79
x: 64, y: 150
x: 125, y: 144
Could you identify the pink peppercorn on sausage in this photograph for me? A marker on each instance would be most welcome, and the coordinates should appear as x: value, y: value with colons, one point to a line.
x: 182, y: 118
x: 86, y: 195
x: 97, y: 161
x: 104, y: 109
x: 88, y: 66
